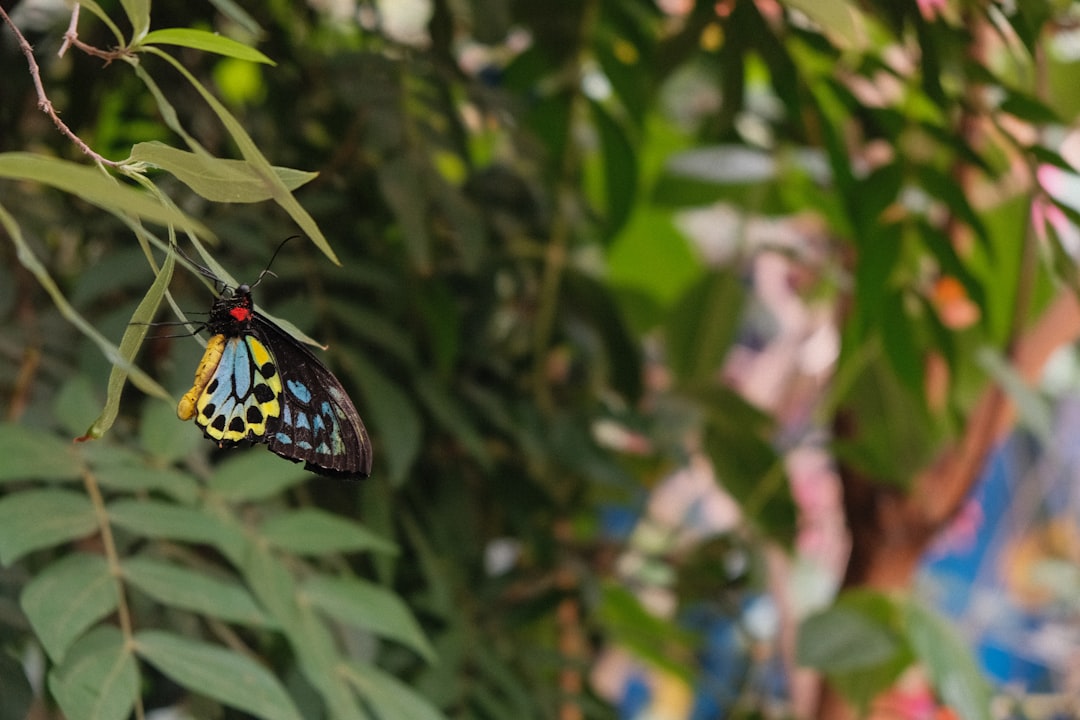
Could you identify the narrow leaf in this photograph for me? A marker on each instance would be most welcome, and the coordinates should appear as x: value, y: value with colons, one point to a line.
x: 216, y: 672
x: 953, y: 671
x: 129, y: 346
x: 95, y: 187
x: 182, y: 587
x: 138, y: 13
x: 98, y: 678
x: 311, y: 531
x: 258, y: 162
x: 207, y: 41
x: 217, y: 179
x: 66, y: 598
x: 35, y: 519
x: 390, y: 698
x: 26, y: 256
x: 369, y: 607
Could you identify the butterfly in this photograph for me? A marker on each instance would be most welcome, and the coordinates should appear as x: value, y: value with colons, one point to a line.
x: 256, y: 383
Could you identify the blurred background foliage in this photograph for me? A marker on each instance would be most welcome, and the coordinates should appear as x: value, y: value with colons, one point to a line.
x: 530, y: 315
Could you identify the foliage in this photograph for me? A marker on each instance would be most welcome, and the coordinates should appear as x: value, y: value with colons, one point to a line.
x: 499, y: 207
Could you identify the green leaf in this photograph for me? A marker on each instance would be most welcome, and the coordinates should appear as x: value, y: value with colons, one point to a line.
x: 216, y: 672
x: 162, y: 520
x: 451, y: 416
x: 390, y: 698
x: 208, y: 41
x: 655, y: 639
x: 182, y: 587
x: 96, y: 187
x: 257, y: 161
x: 217, y: 179
x: 702, y: 327
x: 369, y: 607
x: 830, y: 641
x: 949, y: 663
x: 619, y: 161
x: 254, y: 475
x: 139, y: 476
x: 133, y: 338
x: 311, y: 531
x: 840, y: 20
x: 841, y: 639
x: 1034, y: 410
x: 98, y: 678
x: 392, y: 413
x: 35, y: 454
x: 161, y: 436
x: 29, y: 260
x: 138, y: 13
x: 66, y: 598
x: 35, y: 519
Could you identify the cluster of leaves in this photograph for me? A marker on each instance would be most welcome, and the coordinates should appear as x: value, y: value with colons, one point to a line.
x: 506, y: 238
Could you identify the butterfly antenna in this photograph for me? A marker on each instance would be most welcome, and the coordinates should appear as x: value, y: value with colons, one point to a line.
x: 273, y: 257
x: 201, y: 269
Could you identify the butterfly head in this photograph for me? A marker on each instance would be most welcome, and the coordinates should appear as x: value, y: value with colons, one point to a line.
x: 232, y: 312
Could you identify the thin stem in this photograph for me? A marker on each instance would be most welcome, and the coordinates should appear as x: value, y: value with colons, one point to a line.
x: 44, y: 103
x: 558, y: 247
x: 112, y: 558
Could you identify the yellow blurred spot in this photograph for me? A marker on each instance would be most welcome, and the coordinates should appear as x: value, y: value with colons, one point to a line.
x: 239, y: 81
x: 625, y: 52
x: 450, y: 166
x: 712, y: 37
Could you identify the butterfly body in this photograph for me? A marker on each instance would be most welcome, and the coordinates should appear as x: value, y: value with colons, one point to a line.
x: 256, y: 383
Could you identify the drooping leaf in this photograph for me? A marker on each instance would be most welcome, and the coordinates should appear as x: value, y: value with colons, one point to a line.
x: 98, y: 678
x: 310, y: 531
x: 217, y: 672
x: 952, y: 669
x: 129, y: 346
x: 35, y: 519
x: 390, y: 698
x: 35, y: 454
x: 367, y: 606
x: 217, y: 179
x: 66, y: 598
x: 182, y: 587
x: 254, y: 475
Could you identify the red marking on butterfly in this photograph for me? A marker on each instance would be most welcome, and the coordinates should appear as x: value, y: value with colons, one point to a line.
x: 240, y: 314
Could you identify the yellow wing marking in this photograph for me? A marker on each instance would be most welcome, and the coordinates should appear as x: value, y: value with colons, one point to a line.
x: 185, y: 410
x: 239, y: 399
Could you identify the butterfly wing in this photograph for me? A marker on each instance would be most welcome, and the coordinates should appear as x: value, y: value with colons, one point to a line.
x: 318, y: 423
x: 237, y: 391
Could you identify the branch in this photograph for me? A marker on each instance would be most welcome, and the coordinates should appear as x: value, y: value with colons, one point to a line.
x: 44, y: 103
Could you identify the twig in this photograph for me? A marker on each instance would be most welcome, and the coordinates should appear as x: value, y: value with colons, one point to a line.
x: 43, y: 100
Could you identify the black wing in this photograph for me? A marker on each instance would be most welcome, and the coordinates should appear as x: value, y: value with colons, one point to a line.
x: 318, y: 423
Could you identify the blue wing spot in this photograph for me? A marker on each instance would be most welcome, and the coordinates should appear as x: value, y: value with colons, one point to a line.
x: 303, y: 444
x: 326, y: 409
x: 284, y: 439
x: 286, y: 416
x: 299, y: 390
x: 319, y: 425
x: 302, y: 421
x: 323, y: 449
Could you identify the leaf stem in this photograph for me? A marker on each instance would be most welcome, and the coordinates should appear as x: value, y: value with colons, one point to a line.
x: 123, y: 612
x: 558, y: 247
